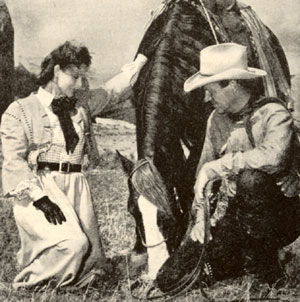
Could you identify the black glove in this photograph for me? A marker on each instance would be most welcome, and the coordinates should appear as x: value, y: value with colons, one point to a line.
x: 51, y: 210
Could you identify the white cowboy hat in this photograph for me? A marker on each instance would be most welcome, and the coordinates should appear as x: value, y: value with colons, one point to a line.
x: 227, y: 61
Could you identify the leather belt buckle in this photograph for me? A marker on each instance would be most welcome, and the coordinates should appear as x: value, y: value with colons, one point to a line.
x: 64, y: 167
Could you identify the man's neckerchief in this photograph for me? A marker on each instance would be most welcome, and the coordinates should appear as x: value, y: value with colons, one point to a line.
x: 239, y: 116
x: 62, y: 107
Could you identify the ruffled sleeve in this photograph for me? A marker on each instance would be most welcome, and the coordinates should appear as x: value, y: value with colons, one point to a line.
x: 127, y: 78
x: 18, y: 179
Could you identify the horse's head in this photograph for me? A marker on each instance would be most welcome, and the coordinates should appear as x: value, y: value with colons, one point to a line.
x: 149, y: 196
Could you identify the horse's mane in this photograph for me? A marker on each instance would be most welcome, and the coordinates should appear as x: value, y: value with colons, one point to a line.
x: 148, y: 182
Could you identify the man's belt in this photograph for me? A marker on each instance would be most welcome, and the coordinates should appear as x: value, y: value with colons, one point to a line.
x: 62, y: 167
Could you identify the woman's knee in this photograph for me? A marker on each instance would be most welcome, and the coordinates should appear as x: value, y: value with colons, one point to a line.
x: 77, y: 245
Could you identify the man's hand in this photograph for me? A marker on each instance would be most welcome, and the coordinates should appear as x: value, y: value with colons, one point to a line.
x: 290, y: 184
x: 204, y: 188
x: 51, y: 210
x: 198, y: 231
x: 201, y: 183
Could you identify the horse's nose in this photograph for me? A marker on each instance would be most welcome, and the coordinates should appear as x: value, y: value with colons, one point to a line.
x: 207, y: 97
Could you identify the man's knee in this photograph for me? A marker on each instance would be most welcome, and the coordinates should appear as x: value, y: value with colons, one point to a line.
x: 258, y: 185
x: 252, y: 180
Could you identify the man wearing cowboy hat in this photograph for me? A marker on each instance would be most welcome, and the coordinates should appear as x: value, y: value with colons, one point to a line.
x: 247, y: 148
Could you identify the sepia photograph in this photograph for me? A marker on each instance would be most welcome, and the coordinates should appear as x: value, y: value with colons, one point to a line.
x: 150, y: 150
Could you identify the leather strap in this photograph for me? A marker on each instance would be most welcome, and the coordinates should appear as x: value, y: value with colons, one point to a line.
x: 260, y: 103
x: 63, y: 167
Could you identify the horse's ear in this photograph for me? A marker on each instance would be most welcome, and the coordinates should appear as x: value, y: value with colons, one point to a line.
x: 127, y: 164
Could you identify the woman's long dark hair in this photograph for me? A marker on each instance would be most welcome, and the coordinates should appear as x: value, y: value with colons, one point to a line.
x: 69, y: 53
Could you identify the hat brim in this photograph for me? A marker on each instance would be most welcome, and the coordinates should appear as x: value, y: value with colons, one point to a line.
x: 198, y: 80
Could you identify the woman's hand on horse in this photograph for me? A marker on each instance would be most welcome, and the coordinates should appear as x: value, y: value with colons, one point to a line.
x: 51, y: 210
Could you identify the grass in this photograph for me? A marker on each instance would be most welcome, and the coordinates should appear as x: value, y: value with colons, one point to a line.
x: 116, y: 226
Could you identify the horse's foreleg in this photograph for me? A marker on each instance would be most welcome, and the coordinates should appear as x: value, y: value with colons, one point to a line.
x: 155, y: 242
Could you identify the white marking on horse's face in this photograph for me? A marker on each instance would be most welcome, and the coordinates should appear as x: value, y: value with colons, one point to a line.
x: 159, y: 254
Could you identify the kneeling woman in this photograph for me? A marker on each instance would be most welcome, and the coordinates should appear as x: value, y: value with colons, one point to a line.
x: 44, y: 139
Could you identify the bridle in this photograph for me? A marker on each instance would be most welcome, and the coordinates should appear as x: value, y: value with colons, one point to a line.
x: 142, y: 163
x: 149, y: 246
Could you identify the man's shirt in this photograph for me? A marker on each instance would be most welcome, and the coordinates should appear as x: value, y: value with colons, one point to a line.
x: 228, y: 148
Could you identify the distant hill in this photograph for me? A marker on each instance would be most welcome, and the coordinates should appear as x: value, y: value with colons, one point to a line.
x: 25, y: 83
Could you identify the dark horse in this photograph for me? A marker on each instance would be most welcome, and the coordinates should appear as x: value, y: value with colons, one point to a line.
x: 170, y: 121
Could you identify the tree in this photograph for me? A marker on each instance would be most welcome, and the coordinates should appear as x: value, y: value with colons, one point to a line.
x: 6, y: 58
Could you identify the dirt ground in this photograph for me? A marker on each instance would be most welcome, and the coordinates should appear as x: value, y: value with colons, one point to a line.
x: 114, y: 135
x: 117, y: 229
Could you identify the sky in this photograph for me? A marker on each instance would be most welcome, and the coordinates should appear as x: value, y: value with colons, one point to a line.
x: 112, y: 29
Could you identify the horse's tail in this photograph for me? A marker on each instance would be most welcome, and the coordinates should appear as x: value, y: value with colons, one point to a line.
x: 148, y: 182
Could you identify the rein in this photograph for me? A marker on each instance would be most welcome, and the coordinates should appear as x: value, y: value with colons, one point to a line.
x: 209, y: 22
